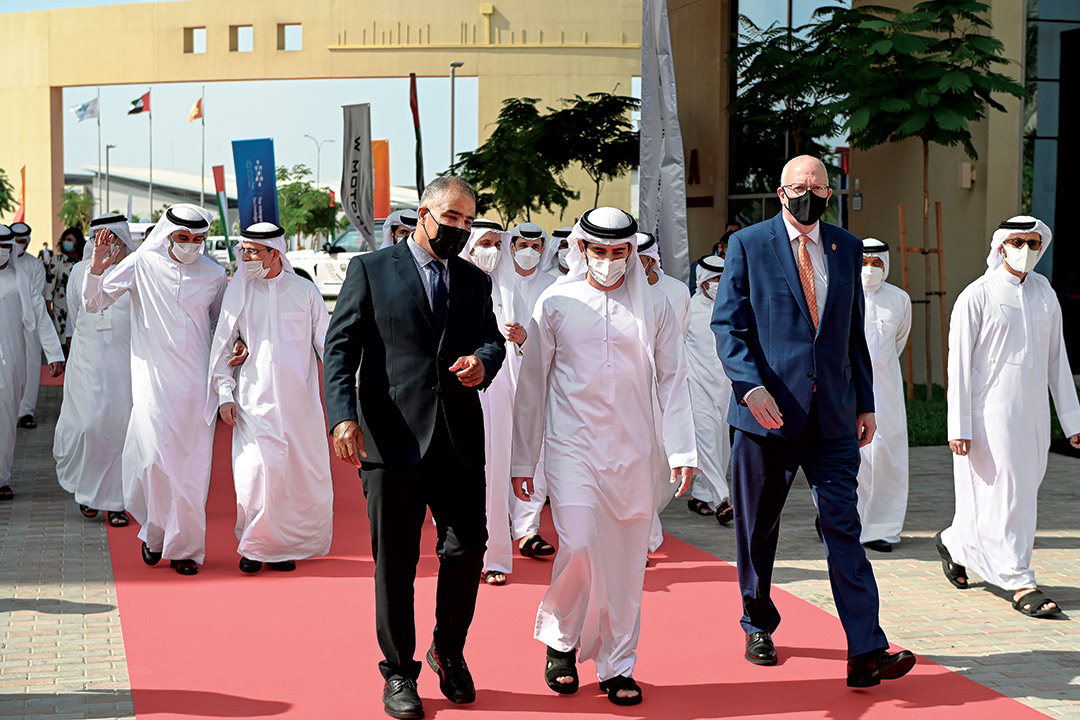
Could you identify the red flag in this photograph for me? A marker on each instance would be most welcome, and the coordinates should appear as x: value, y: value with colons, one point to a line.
x: 196, y: 111
x: 20, y: 212
x: 333, y: 199
x: 141, y: 104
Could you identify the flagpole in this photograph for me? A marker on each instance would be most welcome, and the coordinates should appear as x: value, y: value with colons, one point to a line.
x: 202, y: 119
x: 100, y: 181
x: 150, y: 113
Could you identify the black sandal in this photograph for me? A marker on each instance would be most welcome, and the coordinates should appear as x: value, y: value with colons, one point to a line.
x: 953, y: 571
x: 1033, y: 604
x: 28, y: 422
x: 561, y: 664
x: 725, y: 513
x: 87, y: 511
x: 621, y: 682
x: 699, y: 507
x: 536, y: 546
x: 117, y: 519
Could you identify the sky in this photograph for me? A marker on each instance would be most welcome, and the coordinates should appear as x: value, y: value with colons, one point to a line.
x: 285, y: 110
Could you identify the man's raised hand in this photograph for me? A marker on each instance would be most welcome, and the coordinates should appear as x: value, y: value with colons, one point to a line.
x: 106, y: 250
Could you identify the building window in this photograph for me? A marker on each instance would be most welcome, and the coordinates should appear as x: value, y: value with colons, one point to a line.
x: 290, y: 36
x: 195, y: 40
x: 241, y: 38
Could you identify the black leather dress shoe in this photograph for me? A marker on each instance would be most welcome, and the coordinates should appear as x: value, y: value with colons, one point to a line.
x: 760, y: 649
x: 871, y: 668
x: 455, y: 680
x: 148, y: 556
x: 282, y: 566
x: 249, y: 566
x: 400, y: 699
x: 878, y: 545
x: 185, y: 567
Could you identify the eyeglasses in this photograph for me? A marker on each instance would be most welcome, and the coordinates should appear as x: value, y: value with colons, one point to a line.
x: 794, y: 190
x: 254, y: 254
x: 1019, y: 243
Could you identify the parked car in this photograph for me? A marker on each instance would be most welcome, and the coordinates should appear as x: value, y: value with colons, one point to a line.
x: 218, y: 247
x: 326, y: 267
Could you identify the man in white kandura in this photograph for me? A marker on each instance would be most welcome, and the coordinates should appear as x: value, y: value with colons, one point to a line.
x: 1005, y: 349
x: 20, y: 315
x: 33, y: 268
x: 710, y: 394
x: 603, y: 353
x: 560, y: 242
x: 531, y: 252
x: 89, y: 439
x: 679, y: 297
x: 398, y: 226
x: 488, y: 249
x: 176, y: 295
x: 883, y: 473
x: 281, y: 456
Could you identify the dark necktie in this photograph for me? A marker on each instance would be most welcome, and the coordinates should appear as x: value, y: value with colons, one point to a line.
x: 438, y: 294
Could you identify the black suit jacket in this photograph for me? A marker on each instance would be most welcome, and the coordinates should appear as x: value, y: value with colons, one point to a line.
x: 383, y: 325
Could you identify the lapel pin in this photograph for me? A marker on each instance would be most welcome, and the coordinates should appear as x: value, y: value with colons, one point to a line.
x: 834, y: 246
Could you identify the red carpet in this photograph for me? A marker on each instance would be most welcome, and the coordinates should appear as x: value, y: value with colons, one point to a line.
x: 48, y: 380
x: 302, y: 644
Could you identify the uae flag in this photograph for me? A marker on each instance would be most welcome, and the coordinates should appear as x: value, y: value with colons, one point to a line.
x: 141, y: 104
x: 415, y: 105
x: 223, y: 205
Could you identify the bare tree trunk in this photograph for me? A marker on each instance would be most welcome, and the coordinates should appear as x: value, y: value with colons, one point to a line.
x: 596, y: 198
x: 926, y: 264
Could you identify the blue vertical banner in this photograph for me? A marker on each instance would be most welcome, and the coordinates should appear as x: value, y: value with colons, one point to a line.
x: 256, y: 186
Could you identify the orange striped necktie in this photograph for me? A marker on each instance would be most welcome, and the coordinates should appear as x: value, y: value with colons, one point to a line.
x: 806, y: 276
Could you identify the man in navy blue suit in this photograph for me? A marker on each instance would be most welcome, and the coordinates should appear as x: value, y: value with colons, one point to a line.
x: 789, y: 331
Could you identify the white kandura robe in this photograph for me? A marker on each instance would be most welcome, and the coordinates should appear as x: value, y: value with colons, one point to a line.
x: 168, y: 447
x: 89, y: 439
x: 1005, y: 349
x: 678, y: 295
x: 883, y: 472
x: 35, y: 270
x: 525, y: 516
x: 710, y: 394
x: 15, y: 289
x: 587, y: 394
x: 281, y: 456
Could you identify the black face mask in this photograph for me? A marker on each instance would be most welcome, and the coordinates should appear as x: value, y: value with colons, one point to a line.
x: 808, y: 207
x: 448, y: 241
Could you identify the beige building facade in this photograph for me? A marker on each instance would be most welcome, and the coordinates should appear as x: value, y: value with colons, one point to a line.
x: 516, y: 48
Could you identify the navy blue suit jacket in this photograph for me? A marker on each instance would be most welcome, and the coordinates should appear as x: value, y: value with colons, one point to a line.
x: 764, y: 334
x: 383, y: 326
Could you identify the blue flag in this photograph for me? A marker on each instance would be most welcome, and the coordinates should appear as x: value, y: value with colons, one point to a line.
x: 256, y: 186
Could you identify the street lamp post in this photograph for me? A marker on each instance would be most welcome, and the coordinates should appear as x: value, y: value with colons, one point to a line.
x: 453, y: 75
x: 108, y: 197
x: 318, y: 158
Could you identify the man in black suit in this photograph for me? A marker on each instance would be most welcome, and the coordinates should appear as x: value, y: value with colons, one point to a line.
x: 417, y: 322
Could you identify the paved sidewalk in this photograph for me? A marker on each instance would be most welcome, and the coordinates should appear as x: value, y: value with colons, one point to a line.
x: 62, y: 651
x: 974, y: 632
x: 61, y: 648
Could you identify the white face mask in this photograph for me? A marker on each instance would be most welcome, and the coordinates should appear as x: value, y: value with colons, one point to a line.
x: 872, y: 276
x: 255, y: 269
x: 563, y: 254
x: 606, y: 272
x: 20, y: 249
x: 5, y: 254
x: 709, y: 290
x: 186, y: 252
x: 486, y: 258
x: 1022, y: 260
x: 527, y: 258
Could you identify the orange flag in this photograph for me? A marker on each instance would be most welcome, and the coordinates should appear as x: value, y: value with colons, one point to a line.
x: 196, y: 111
x: 20, y: 212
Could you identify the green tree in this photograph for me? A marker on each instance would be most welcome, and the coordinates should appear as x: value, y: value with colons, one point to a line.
x: 7, y: 194
x: 927, y: 73
x: 303, y: 208
x: 595, y: 133
x: 783, y: 107
x: 508, y: 172
x: 76, y: 207
x: 155, y: 215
